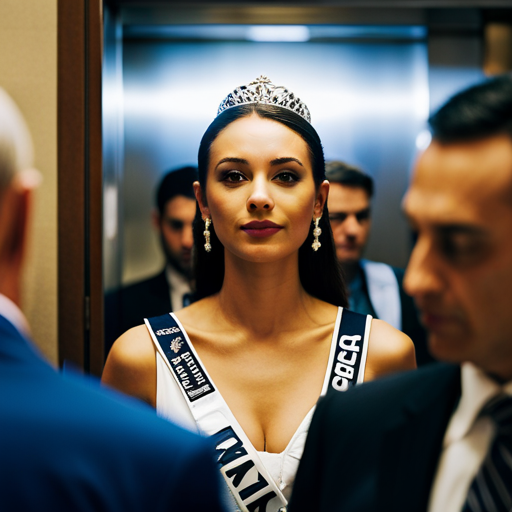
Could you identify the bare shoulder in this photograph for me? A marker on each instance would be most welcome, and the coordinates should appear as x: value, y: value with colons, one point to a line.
x: 131, y: 365
x: 389, y: 351
x: 203, y: 315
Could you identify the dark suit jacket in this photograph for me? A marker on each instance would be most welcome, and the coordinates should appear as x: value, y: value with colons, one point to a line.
x: 68, y: 445
x: 127, y: 307
x: 376, y: 446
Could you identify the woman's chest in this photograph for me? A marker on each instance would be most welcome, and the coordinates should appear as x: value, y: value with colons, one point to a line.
x: 268, y: 390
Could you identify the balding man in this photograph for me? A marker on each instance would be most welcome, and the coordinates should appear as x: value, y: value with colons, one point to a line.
x: 66, y: 444
x: 439, y: 439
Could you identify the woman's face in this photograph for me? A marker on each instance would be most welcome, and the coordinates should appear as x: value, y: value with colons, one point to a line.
x: 260, y: 191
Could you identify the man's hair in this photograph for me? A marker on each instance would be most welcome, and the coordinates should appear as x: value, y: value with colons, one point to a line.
x: 16, y: 151
x: 177, y: 182
x: 481, y: 111
x: 348, y: 175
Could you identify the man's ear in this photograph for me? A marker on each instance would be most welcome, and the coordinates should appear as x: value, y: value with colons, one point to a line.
x: 201, y: 200
x: 14, y: 212
x: 14, y: 219
x: 155, y: 218
x: 321, y: 199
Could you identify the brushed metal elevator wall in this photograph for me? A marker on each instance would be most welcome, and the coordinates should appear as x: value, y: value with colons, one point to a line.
x: 369, y: 103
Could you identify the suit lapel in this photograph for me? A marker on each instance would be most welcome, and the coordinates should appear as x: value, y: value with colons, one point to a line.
x: 413, y: 442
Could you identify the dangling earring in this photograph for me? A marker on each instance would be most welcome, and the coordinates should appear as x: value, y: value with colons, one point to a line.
x: 206, y: 233
x: 316, y: 233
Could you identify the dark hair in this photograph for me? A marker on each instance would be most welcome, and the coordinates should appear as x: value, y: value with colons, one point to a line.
x: 483, y: 110
x: 319, y: 271
x: 345, y: 174
x: 176, y: 182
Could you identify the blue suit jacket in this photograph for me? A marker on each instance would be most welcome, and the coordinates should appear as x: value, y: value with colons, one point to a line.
x: 376, y: 446
x: 67, y: 444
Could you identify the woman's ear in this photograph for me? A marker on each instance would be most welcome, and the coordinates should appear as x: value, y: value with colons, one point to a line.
x: 321, y: 199
x: 201, y: 200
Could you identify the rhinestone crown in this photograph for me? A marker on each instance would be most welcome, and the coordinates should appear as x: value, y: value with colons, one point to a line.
x: 262, y: 90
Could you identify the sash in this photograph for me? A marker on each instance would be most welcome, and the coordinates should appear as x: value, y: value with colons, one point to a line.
x: 251, y: 485
x: 347, y: 360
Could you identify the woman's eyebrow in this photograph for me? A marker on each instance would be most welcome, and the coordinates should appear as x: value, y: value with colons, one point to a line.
x: 232, y: 159
x: 285, y: 160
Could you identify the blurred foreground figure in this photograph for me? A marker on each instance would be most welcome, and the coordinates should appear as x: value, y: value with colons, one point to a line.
x: 374, y: 288
x: 439, y: 439
x: 66, y: 444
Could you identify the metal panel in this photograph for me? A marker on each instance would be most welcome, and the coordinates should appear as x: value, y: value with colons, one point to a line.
x: 368, y: 102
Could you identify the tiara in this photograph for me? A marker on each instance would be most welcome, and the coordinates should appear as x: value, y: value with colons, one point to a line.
x: 262, y: 90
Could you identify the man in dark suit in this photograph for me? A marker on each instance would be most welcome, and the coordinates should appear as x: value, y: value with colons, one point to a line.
x: 375, y: 288
x: 438, y: 439
x: 65, y: 443
x: 170, y: 289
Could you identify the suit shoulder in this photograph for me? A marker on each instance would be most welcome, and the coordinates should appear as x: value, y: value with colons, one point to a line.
x: 144, y: 284
x: 117, y: 415
x: 370, y: 401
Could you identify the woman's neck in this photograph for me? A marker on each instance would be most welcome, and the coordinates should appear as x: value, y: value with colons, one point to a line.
x: 263, y: 297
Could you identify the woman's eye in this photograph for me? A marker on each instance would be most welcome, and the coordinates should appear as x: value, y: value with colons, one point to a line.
x: 233, y: 177
x: 287, y: 177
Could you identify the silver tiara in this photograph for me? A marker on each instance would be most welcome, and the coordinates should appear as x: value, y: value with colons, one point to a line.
x: 262, y: 90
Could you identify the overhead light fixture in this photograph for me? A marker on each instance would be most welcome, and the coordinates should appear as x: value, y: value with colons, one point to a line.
x: 278, y: 33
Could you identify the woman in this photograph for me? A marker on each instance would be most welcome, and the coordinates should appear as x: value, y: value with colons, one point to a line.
x: 247, y: 362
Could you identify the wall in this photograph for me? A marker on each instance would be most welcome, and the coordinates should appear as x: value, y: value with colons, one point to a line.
x: 28, y: 72
x: 368, y: 103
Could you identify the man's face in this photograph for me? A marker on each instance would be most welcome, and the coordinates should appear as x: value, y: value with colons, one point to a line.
x: 349, y: 213
x: 460, y: 271
x: 175, y: 226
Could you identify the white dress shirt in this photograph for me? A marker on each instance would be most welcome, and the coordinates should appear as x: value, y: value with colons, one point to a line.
x: 178, y: 287
x: 13, y: 313
x: 466, y: 442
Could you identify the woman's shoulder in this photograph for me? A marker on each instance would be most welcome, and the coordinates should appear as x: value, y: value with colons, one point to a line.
x: 132, y: 346
x: 389, y: 351
x: 199, y: 315
x: 131, y: 364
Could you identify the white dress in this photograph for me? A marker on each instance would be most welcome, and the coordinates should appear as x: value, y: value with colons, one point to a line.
x: 171, y: 404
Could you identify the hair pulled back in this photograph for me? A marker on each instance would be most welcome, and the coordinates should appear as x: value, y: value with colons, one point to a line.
x: 319, y: 271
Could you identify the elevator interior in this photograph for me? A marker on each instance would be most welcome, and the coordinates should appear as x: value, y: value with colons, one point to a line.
x: 370, y: 77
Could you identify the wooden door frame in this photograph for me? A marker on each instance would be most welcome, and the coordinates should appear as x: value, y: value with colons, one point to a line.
x: 80, y: 302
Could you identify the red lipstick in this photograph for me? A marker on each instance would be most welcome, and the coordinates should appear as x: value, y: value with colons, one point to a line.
x: 261, y: 228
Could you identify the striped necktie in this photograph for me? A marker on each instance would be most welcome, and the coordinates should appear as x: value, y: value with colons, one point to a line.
x: 491, y: 490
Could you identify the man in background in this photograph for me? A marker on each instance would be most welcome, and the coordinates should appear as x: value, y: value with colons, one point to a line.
x: 374, y: 288
x: 438, y: 439
x: 170, y: 289
x: 65, y: 443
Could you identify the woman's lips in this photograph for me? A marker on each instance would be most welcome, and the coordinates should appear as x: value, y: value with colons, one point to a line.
x: 261, y: 229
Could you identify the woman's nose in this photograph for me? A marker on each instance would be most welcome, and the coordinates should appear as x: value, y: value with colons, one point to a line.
x: 260, y: 197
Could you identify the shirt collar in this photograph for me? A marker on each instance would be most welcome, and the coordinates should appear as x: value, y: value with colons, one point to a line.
x: 175, y: 278
x: 477, y: 389
x: 13, y: 314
